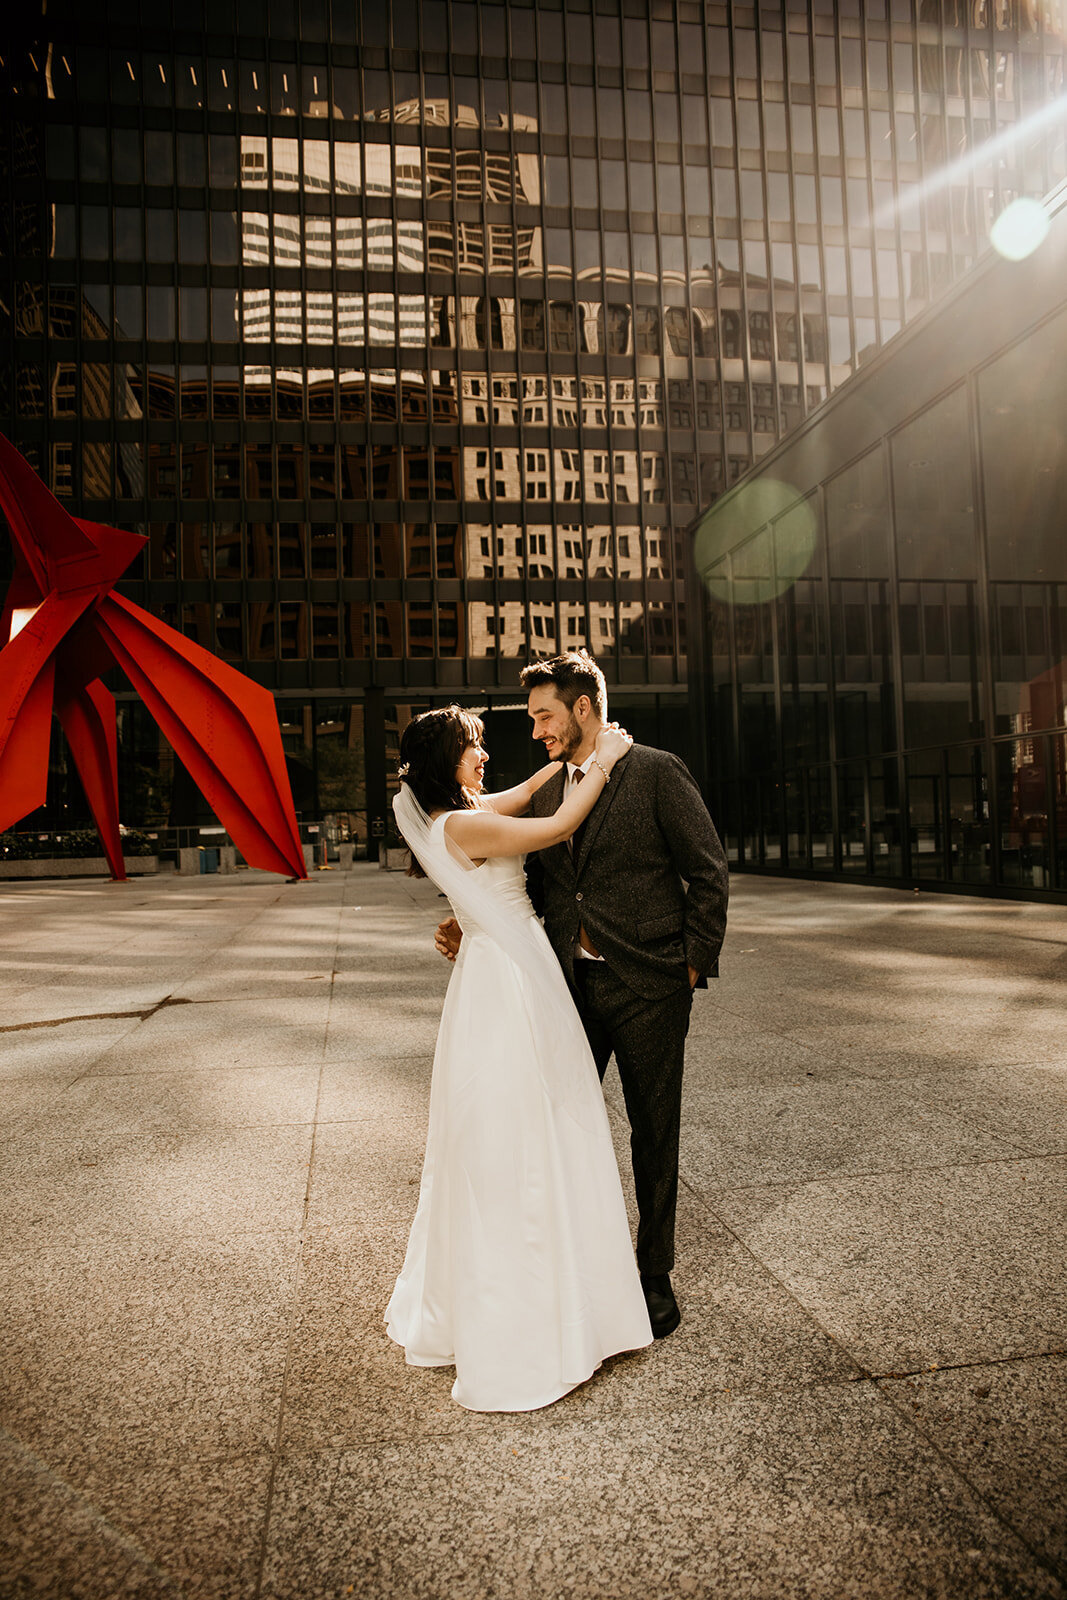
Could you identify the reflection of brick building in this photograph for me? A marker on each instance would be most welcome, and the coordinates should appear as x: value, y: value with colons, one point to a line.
x: 417, y: 335
x: 88, y: 391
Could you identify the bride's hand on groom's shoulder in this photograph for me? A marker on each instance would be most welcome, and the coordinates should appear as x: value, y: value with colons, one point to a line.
x: 447, y: 938
x: 612, y: 742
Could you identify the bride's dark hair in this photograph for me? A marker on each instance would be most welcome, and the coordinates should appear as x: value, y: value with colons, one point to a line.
x: 431, y: 748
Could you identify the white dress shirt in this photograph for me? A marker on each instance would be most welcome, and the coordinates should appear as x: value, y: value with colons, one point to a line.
x: 572, y: 781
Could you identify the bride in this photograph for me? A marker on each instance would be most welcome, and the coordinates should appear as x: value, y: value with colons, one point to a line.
x: 519, y: 1268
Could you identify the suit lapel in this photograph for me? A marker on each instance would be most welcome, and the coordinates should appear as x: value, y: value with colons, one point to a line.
x: 552, y: 795
x: 552, y: 792
x: 600, y: 811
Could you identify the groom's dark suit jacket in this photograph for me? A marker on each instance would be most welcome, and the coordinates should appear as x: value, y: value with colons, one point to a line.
x: 650, y: 882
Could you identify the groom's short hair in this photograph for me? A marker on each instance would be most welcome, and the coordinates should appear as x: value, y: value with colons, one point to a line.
x: 571, y: 674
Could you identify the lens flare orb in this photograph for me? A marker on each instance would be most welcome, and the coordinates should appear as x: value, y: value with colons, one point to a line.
x: 1019, y: 229
x: 771, y: 531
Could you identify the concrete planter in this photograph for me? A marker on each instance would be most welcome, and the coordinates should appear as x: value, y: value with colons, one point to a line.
x: 222, y: 858
x: 75, y: 867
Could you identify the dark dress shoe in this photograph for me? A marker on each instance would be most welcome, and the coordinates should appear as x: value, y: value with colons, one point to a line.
x: 663, y: 1311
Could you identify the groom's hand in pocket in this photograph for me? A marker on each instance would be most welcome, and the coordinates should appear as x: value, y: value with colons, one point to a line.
x: 447, y: 938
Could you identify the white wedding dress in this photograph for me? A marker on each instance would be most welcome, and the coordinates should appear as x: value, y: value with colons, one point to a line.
x: 519, y: 1268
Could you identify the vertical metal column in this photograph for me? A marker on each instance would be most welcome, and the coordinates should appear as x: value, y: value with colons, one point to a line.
x: 374, y: 767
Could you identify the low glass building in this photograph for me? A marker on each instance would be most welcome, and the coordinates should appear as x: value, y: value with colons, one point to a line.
x: 882, y: 692
x: 414, y: 333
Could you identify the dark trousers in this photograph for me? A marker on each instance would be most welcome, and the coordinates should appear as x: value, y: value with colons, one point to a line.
x: 647, y: 1038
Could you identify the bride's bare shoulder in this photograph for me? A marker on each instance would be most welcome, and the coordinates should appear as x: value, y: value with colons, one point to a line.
x: 461, y: 816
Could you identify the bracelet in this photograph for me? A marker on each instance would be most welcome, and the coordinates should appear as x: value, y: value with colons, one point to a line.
x: 598, y: 763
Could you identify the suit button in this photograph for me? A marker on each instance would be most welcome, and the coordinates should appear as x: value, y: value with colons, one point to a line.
x: 577, y: 897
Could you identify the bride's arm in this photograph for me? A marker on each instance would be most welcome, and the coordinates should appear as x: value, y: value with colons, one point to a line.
x: 487, y: 833
x: 513, y: 802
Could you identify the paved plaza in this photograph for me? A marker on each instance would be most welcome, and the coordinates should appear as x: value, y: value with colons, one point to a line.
x: 214, y: 1105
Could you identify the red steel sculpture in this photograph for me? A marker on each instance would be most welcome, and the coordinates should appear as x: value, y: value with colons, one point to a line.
x: 62, y: 626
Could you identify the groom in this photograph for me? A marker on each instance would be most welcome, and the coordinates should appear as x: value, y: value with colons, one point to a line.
x: 635, y: 908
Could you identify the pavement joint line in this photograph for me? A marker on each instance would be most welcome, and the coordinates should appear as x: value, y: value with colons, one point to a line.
x: 1056, y: 1569
x: 550, y: 1419
x: 42, y: 1470
x: 234, y: 932
x: 1014, y: 1158
x: 805, y: 1311
x: 158, y: 1130
x: 969, y: 1366
x: 558, y: 1417
x: 836, y: 1057
x: 87, y: 1244
x: 864, y: 1374
x: 760, y: 1029
x: 150, y: 1011
x: 102, y: 1016
x: 277, y: 1454
x: 61, y: 1022
x: 92, y: 1074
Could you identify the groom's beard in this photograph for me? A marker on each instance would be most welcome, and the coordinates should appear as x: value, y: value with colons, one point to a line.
x: 570, y: 740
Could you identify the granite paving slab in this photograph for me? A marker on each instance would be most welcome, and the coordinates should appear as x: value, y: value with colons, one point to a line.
x: 367, y: 1168
x: 1026, y: 1104
x: 223, y: 1097
x: 224, y: 1039
x: 889, y: 1048
x: 190, y: 1527
x: 828, y: 1492
x: 909, y: 1270
x: 231, y: 978
x: 400, y: 1026
x: 58, y: 1541
x: 62, y: 1051
x: 806, y: 1129
x: 726, y: 1051
x: 374, y: 1085
x: 23, y: 1100
x: 1004, y: 1427
x: 146, y: 1350
x: 349, y: 1384
x: 407, y: 955
x: 111, y: 1185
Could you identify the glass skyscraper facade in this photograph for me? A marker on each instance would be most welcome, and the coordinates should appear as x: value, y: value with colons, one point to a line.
x: 883, y: 692
x: 415, y: 335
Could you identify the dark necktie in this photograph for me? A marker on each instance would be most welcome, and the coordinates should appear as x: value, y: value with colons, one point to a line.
x: 576, y: 836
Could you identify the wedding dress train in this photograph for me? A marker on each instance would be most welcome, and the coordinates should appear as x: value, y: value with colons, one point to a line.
x: 519, y: 1267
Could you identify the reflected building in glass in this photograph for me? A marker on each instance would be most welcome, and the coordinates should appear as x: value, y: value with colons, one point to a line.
x: 883, y: 689
x: 415, y: 335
